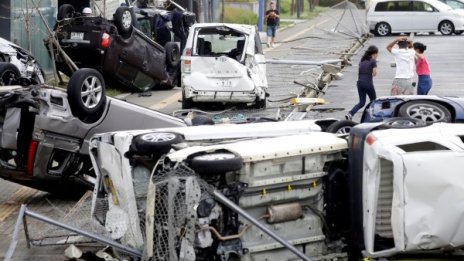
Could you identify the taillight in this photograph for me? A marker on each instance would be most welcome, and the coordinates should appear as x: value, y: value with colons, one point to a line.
x: 186, y: 68
x: 31, y: 157
x: 370, y: 139
x: 105, y: 40
x: 188, y: 51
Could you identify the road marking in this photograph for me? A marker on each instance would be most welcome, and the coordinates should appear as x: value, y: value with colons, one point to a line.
x: 20, y: 196
x: 171, y: 99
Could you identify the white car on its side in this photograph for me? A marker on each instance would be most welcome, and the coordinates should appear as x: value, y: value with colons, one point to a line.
x: 223, y: 63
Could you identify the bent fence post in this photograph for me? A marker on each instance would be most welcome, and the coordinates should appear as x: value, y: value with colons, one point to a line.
x: 23, y: 212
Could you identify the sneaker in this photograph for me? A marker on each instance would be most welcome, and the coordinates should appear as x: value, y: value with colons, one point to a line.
x: 348, y: 116
x: 268, y: 45
x: 272, y: 45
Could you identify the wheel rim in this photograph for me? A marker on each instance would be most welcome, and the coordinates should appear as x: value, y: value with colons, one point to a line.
x: 344, y: 130
x: 446, y: 28
x: 126, y: 19
x: 158, y: 137
x: 91, y: 92
x: 216, y: 156
x: 383, y: 29
x: 402, y: 123
x: 426, y: 112
x: 7, y: 78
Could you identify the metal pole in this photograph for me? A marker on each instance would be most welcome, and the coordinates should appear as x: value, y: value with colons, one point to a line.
x: 98, y: 238
x: 190, y: 5
x: 260, y: 15
x: 14, y: 240
x: 224, y: 200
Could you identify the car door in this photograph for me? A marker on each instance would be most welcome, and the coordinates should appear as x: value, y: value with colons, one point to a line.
x: 425, y: 16
x: 398, y: 15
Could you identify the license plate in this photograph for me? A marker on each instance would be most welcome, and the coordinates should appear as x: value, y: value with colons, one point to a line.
x: 225, y: 83
x: 77, y: 36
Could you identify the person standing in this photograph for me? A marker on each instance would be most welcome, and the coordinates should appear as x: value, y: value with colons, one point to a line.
x: 424, y: 84
x: 272, y: 21
x: 367, y: 71
x: 404, y: 59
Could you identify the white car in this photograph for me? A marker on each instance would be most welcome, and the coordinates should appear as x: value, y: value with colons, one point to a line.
x: 223, y: 63
x: 385, y: 17
x: 18, y: 66
x: 387, y: 191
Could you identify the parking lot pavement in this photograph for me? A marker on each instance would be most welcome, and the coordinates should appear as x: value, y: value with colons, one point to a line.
x: 445, y: 58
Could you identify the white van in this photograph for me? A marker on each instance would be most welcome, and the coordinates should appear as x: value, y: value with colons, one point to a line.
x: 405, y: 16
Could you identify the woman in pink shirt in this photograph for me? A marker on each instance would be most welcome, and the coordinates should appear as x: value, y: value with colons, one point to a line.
x: 423, y: 70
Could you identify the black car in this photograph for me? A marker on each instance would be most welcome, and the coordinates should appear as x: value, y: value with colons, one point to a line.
x: 139, y: 48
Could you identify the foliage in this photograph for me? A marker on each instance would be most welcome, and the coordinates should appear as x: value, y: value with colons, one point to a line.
x: 239, y: 16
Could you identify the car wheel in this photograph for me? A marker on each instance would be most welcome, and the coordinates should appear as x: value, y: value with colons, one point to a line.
x: 123, y: 19
x: 86, y: 92
x: 426, y: 111
x: 187, y: 103
x: 458, y: 32
x: 65, y: 11
x: 341, y: 127
x: 172, y: 54
x: 382, y: 29
x: 9, y: 74
x: 402, y: 123
x: 215, y: 163
x: 446, y: 28
x: 155, y: 143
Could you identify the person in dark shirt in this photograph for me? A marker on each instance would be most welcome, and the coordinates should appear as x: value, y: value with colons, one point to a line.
x: 272, y: 21
x: 365, y: 84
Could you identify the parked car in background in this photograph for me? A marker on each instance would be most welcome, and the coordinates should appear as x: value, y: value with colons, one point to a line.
x: 45, y: 131
x: 139, y: 49
x: 18, y: 66
x: 223, y: 63
x: 404, y: 16
x: 429, y: 109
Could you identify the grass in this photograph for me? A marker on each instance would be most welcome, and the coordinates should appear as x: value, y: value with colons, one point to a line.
x: 306, y: 14
x: 239, y: 16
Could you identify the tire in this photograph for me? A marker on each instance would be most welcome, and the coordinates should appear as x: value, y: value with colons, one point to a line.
x: 86, y: 92
x: 341, y: 127
x: 157, y: 143
x: 202, y: 120
x: 382, y: 29
x: 187, y: 103
x: 215, y: 162
x: 446, y: 28
x: 172, y: 55
x: 65, y: 11
x: 402, y: 123
x: 124, y: 20
x: 426, y: 111
x: 9, y: 74
x: 458, y: 32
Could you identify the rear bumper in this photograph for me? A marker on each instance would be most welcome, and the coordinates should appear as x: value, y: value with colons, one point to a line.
x: 214, y: 96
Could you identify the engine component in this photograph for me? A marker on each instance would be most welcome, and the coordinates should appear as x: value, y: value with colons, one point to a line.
x: 284, y: 212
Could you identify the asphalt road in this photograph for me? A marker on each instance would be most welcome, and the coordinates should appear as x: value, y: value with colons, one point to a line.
x: 309, y: 40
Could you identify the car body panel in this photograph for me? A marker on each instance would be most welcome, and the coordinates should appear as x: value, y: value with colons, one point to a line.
x: 418, y: 171
x: 223, y: 74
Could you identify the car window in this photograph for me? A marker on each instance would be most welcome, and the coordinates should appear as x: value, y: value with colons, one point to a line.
x: 216, y: 41
x: 395, y: 6
x: 455, y: 4
x: 422, y: 7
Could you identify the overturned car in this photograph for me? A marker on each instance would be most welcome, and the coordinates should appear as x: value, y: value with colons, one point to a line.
x: 176, y: 195
x: 139, y: 48
x: 45, y: 131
